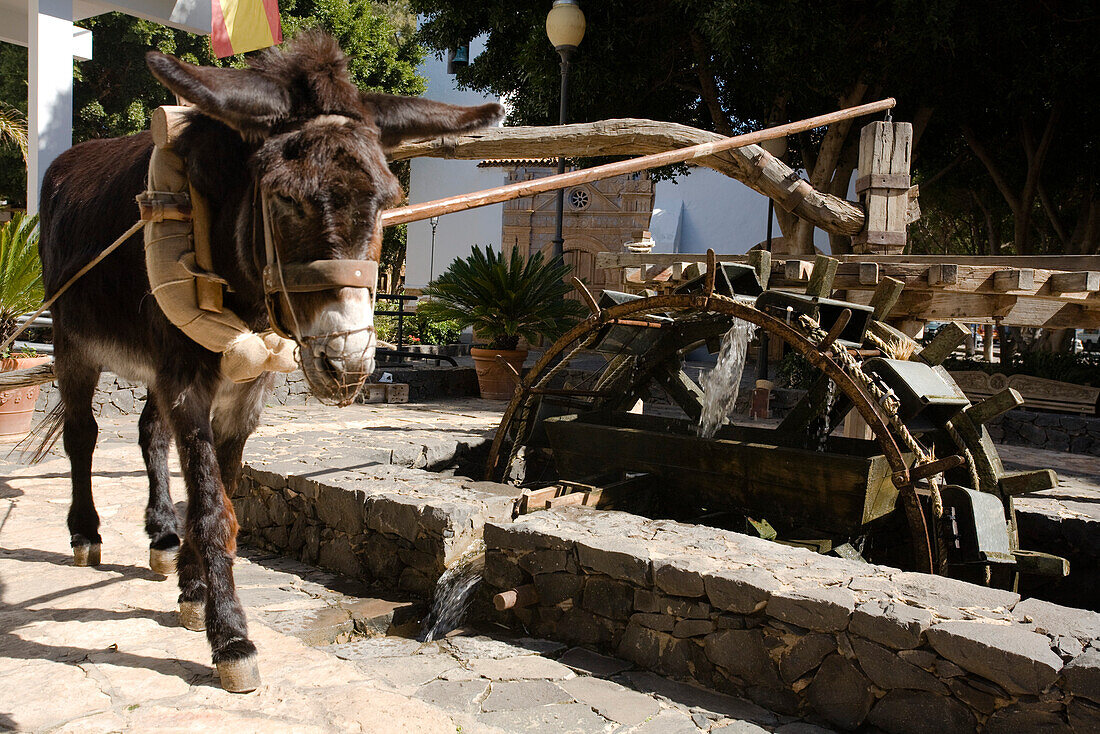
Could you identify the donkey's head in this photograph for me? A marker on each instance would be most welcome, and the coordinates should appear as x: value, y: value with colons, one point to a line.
x: 321, y: 182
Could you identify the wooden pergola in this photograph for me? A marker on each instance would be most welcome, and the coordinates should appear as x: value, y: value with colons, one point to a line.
x: 1054, y: 292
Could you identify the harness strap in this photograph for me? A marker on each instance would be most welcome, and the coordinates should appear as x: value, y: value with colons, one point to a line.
x: 159, y: 206
x: 321, y: 275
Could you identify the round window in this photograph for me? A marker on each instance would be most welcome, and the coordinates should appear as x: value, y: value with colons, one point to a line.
x: 578, y: 199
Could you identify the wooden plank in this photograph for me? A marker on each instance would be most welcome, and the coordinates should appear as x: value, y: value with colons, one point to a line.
x: 943, y: 274
x: 1041, y: 564
x: 868, y: 274
x: 1015, y: 279
x: 821, y: 278
x: 1082, y: 281
x: 797, y: 271
x: 946, y: 341
x: 975, y: 308
x: 994, y: 406
x: 832, y: 489
x: 761, y: 260
x: 886, y: 297
x: 1026, y: 482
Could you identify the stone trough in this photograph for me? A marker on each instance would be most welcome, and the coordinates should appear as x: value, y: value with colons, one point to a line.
x: 801, y: 633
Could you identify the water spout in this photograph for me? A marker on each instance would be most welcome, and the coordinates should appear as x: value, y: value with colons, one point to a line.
x: 721, y: 384
x: 453, y: 594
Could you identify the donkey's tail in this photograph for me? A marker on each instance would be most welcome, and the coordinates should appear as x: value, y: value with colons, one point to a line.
x: 43, y: 436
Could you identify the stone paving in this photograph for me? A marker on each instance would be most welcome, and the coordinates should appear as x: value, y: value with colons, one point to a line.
x: 99, y: 649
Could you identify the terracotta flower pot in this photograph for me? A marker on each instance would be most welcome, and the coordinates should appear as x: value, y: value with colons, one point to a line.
x: 17, y: 406
x: 494, y: 380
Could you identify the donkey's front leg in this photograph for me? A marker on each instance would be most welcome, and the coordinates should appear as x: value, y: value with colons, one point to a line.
x: 211, y: 536
x: 161, y: 520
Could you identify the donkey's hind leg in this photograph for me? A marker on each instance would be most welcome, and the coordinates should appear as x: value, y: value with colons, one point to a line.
x: 76, y: 383
x: 161, y: 520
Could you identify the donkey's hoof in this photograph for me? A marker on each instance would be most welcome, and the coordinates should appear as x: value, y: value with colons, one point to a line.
x: 163, y: 561
x: 193, y: 615
x: 87, y: 554
x: 240, y: 676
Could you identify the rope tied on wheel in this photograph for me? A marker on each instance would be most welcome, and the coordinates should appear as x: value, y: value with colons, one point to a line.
x: 889, y: 403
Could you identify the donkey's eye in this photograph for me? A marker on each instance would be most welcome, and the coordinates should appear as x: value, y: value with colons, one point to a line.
x: 291, y: 203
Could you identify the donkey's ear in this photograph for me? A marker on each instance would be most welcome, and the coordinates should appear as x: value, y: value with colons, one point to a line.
x: 243, y: 99
x: 411, y: 118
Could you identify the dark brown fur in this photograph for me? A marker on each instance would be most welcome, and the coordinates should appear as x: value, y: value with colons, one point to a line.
x: 328, y: 182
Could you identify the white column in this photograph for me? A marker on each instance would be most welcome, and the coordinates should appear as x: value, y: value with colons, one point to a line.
x: 50, y: 88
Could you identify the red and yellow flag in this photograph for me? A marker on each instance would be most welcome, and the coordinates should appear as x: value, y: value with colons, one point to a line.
x: 244, y: 25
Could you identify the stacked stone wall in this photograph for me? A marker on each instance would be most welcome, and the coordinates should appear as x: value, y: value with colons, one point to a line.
x: 116, y: 396
x: 1075, y: 434
x: 387, y: 524
x: 801, y: 633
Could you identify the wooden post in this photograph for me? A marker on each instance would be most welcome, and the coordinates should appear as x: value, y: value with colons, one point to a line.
x: 987, y: 344
x: 883, y: 186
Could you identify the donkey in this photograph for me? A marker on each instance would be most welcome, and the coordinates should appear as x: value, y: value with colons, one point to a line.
x: 291, y: 130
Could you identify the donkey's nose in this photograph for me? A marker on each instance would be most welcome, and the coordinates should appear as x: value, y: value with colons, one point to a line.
x: 334, y: 366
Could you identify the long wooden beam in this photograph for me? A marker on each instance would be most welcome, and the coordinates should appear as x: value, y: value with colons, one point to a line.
x: 934, y: 290
x: 751, y: 164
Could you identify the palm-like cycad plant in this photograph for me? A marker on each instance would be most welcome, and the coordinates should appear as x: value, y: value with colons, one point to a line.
x: 20, y: 271
x: 504, y: 298
x: 13, y: 127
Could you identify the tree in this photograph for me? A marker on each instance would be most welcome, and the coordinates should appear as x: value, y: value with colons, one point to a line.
x: 114, y: 92
x: 1001, y: 71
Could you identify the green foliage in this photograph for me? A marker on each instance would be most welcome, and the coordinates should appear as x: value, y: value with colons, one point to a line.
x: 795, y: 371
x: 114, y: 92
x: 13, y: 128
x: 999, y: 69
x: 503, y: 298
x: 430, y: 331
x: 419, y: 329
x: 20, y: 271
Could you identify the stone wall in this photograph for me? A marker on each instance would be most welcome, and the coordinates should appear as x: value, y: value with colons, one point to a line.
x: 1075, y: 434
x: 429, y: 382
x: 382, y: 521
x: 801, y: 633
x: 116, y: 396
x: 113, y: 396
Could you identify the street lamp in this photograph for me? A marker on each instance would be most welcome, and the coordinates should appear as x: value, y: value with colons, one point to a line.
x: 434, y: 221
x: 565, y: 29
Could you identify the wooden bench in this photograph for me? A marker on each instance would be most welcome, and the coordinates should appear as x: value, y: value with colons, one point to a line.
x: 1038, y: 392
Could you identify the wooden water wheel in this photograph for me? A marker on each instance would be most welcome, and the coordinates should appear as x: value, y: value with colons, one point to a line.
x: 568, y: 436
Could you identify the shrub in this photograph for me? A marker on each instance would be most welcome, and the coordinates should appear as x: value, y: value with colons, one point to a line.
x: 504, y: 299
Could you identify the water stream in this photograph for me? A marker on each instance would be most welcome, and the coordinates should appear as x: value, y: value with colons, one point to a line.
x: 453, y: 594
x: 721, y: 384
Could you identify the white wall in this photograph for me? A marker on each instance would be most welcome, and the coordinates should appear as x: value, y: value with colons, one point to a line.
x: 434, y: 178
x: 715, y: 212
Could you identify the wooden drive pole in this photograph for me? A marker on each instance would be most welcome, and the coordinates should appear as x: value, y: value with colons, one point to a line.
x: 462, y: 202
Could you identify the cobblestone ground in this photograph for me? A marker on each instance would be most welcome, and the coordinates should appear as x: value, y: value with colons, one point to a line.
x: 99, y: 649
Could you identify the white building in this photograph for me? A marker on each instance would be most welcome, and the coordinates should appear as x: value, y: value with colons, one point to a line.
x: 435, y: 178
x: 46, y: 28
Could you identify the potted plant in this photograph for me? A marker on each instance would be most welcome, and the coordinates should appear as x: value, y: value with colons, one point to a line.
x: 20, y: 294
x: 504, y: 299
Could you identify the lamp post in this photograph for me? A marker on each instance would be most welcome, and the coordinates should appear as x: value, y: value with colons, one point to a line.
x: 434, y: 221
x: 565, y: 29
